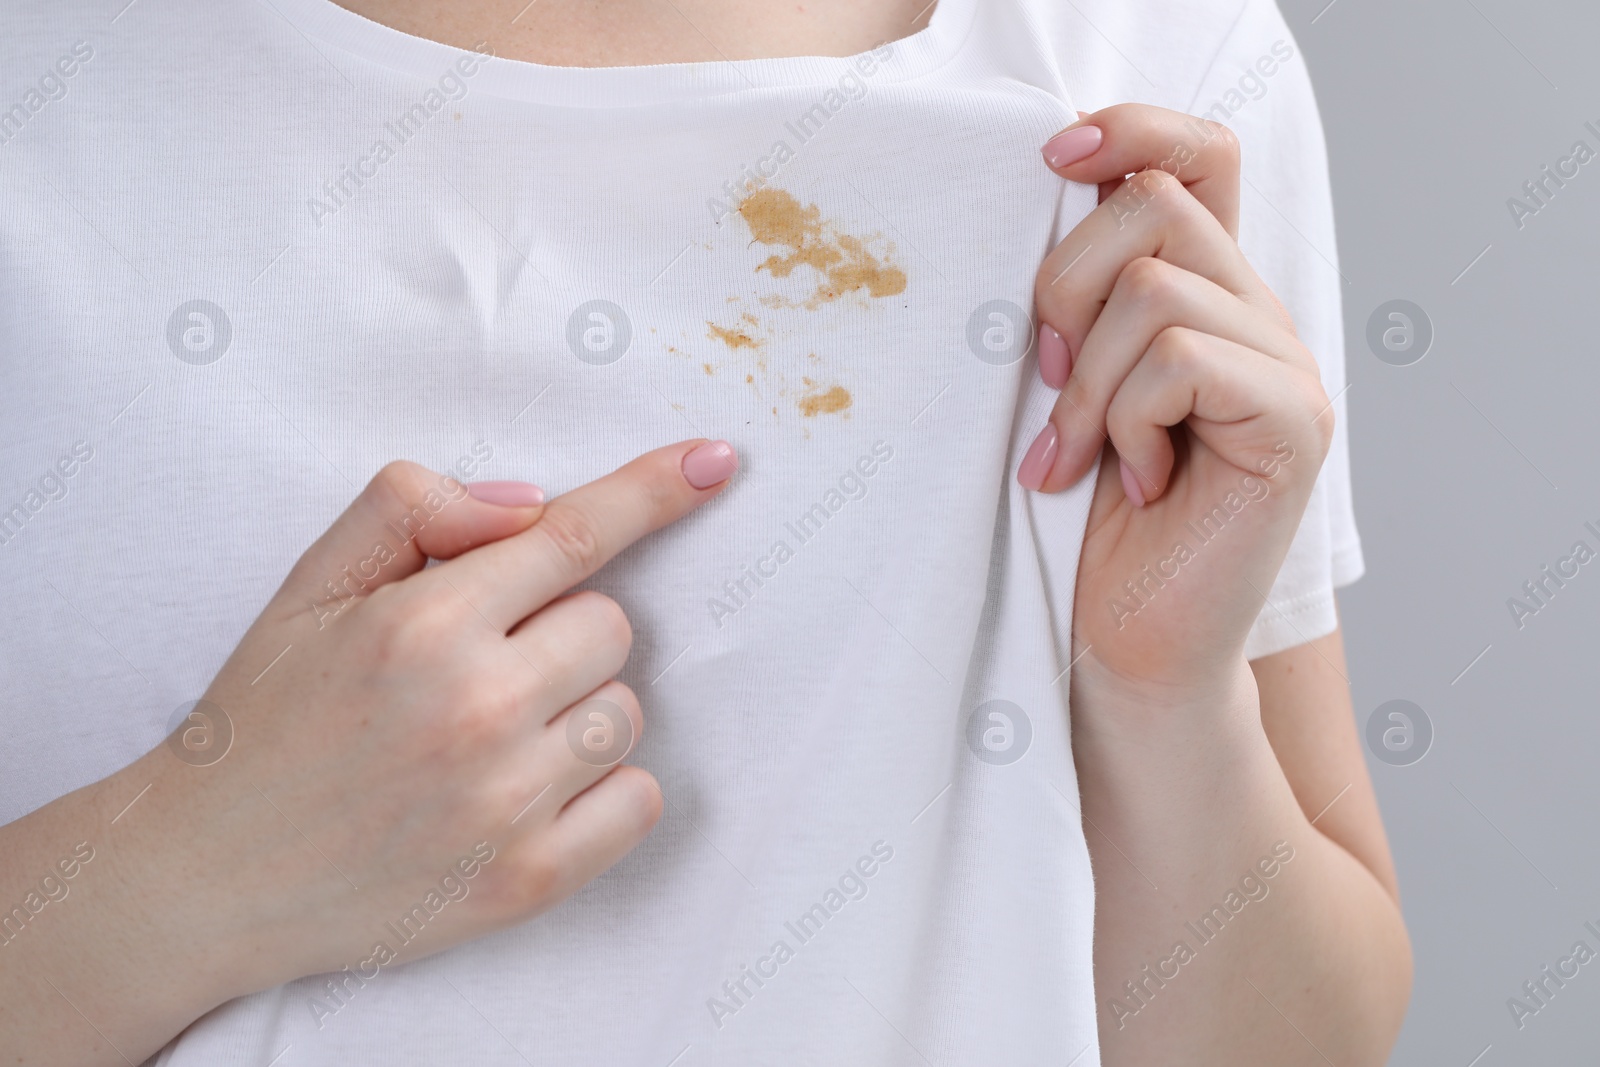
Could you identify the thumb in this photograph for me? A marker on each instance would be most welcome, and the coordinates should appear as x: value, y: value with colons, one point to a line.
x: 405, y: 516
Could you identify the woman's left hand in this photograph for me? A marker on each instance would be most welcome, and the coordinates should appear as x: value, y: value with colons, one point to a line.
x: 1165, y: 342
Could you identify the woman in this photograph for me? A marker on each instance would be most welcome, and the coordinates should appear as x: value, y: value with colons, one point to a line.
x: 261, y: 251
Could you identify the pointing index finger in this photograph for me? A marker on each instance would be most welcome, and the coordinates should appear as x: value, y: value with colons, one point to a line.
x: 582, y: 530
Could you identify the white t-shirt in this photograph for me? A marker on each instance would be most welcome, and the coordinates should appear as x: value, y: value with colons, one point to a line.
x: 250, y: 251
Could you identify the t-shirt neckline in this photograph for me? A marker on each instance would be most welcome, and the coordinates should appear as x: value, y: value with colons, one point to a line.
x: 602, y: 87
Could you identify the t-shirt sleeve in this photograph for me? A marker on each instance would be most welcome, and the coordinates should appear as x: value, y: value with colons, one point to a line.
x: 1258, y: 86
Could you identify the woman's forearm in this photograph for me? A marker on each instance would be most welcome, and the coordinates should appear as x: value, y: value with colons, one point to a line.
x: 111, y: 941
x: 1228, y: 928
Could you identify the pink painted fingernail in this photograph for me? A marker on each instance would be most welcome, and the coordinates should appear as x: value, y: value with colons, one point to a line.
x: 507, y: 494
x: 1040, y: 458
x: 712, y: 462
x: 1130, y: 484
x: 1055, y: 358
x: 1065, y: 149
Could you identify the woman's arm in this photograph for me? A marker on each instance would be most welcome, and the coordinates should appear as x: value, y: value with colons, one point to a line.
x: 104, y: 966
x: 1229, y: 928
x: 1307, y: 962
x: 384, y: 734
x: 1308, y: 718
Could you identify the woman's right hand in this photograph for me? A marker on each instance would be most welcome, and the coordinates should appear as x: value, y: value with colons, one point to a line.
x: 402, y: 756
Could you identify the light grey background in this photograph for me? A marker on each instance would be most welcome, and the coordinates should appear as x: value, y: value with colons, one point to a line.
x: 1474, y: 468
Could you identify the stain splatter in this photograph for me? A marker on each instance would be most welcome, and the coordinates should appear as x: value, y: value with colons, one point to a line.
x: 844, y: 262
x: 733, y: 337
x: 824, y: 402
x: 708, y: 369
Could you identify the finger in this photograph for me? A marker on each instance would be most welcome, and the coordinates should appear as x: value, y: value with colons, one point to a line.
x: 1111, y: 144
x: 1151, y: 216
x: 592, y: 736
x: 1240, y: 403
x: 575, y: 643
x: 581, y: 530
x: 594, y: 831
x: 559, y: 761
x: 1106, y: 188
x: 1150, y: 295
x: 405, y: 515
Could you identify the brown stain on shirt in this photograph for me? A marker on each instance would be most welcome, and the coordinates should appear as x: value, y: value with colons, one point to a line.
x: 824, y: 402
x: 844, y: 262
x: 733, y: 337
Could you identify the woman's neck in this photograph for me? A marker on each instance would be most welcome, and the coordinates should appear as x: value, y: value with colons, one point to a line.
x: 611, y: 33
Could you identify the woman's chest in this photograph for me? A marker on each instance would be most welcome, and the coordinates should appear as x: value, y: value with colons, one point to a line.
x: 812, y: 263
